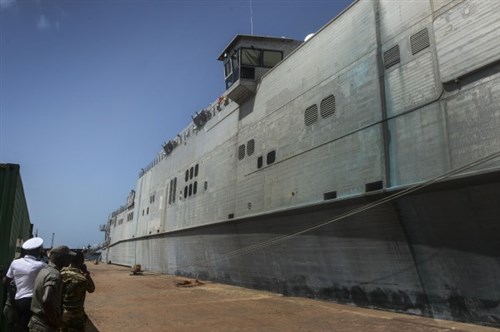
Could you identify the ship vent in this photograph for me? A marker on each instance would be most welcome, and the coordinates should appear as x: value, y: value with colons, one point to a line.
x: 230, y: 216
x: 419, y: 41
x: 241, y: 152
x: 311, y: 115
x: 391, y: 57
x: 327, y: 106
x: 250, y: 147
x: 330, y: 195
x: 372, y: 186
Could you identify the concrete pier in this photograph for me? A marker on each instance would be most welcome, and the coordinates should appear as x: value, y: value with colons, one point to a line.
x: 151, y: 302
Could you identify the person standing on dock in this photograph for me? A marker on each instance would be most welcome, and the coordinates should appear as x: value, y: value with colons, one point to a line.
x: 23, y: 272
x: 47, y: 294
x: 76, y: 283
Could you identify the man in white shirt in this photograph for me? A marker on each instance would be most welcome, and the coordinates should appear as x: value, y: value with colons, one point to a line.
x: 24, y: 271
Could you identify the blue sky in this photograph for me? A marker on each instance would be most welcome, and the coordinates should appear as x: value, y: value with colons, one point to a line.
x: 89, y: 90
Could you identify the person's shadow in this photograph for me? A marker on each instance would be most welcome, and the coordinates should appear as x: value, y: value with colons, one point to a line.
x: 90, y: 327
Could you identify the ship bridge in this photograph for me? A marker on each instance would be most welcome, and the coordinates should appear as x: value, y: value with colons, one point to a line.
x: 247, y: 58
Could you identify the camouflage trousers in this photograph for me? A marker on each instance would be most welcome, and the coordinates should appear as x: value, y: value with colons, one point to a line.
x: 11, y: 317
x: 73, y: 321
x: 38, y: 325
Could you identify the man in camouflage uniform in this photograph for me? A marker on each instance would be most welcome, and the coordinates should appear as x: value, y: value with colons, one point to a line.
x: 76, y: 283
x: 46, y: 304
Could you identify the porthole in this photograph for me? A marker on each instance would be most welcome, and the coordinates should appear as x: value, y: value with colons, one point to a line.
x: 190, y: 189
x: 196, y: 170
x: 259, y: 162
x: 195, y: 187
x: 186, y: 178
x: 191, y: 173
x: 271, y: 157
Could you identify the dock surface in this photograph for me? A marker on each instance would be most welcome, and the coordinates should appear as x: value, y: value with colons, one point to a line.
x: 152, y: 302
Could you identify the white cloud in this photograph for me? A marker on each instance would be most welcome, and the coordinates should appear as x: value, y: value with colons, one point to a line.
x: 43, y: 23
x: 4, y: 4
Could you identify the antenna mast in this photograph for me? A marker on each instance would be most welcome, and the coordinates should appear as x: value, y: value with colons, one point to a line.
x: 52, y: 242
x: 251, y: 18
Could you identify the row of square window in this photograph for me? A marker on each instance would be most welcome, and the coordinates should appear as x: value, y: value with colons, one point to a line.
x: 191, y: 189
x: 250, y: 148
x: 190, y: 173
x: 130, y: 217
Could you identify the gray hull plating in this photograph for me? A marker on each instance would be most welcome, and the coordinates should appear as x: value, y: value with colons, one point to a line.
x: 385, y: 97
x: 402, y: 256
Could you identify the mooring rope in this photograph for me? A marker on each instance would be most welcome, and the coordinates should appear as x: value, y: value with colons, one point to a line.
x: 404, y: 192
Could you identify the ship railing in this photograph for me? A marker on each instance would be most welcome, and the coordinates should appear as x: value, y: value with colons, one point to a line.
x: 200, y: 119
x: 118, y: 211
x: 160, y: 156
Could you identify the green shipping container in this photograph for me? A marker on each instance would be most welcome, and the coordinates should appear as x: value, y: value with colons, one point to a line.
x: 15, y: 226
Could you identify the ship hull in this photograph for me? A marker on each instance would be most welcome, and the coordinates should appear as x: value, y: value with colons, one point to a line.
x: 433, y: 252
x: 280, y: 188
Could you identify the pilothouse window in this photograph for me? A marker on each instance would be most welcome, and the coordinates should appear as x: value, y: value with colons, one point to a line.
x: 271, y: 58
x: 250, y: 57
x: 231, y: 69
x: 242, y: 63
x: 235, y: 61
x: 228, y: 69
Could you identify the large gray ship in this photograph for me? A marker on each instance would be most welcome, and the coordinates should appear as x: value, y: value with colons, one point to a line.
x: 359, y: 166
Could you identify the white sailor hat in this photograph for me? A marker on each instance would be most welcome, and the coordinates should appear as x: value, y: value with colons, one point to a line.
x: 33, y: 243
